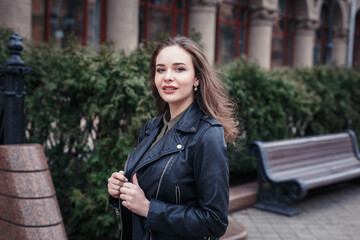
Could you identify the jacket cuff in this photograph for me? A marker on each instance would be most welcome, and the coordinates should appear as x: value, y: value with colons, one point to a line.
x: 153, y: 215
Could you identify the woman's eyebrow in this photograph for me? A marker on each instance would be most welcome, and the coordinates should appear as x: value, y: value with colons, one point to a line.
x: 174, y: 64
x: 179, y: 63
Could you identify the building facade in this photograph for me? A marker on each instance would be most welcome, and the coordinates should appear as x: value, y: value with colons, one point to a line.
x: 273, y: 33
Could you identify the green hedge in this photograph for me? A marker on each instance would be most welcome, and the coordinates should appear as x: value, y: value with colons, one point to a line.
x: 87, y: 107
x: 271, y: 105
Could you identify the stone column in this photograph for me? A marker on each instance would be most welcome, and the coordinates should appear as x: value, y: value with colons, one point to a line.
x: 260, y: 36
x: 340, y: 45
x: 16, y: 14
x: 122, y: 23
x: 202, y: 18
x: 304, y: 43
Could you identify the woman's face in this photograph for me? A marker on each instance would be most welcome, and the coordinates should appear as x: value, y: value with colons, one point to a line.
x: 175, y: 78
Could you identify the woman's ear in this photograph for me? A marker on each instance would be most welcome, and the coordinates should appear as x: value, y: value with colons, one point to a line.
x: 196, y: 83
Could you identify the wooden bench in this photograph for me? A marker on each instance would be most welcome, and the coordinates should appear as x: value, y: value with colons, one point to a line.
x: 287, y: 169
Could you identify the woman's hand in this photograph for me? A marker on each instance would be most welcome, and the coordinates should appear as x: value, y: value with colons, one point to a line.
x: 115, y: 182
x: 133, y: 198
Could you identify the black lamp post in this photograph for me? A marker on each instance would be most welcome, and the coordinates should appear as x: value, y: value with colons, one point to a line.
x: 12, y: 94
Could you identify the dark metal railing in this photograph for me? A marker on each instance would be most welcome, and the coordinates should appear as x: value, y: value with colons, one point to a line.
x: 12, y: 94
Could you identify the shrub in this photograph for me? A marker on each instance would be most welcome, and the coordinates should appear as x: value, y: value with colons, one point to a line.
x: 339, y: 91
x: 271, y: 105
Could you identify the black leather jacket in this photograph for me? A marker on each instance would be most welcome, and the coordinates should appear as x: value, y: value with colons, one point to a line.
x: 185, y: 176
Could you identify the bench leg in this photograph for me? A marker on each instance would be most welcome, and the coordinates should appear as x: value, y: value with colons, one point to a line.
x: 276, y: 208
x: 273, y: 195
x: 278, y: 196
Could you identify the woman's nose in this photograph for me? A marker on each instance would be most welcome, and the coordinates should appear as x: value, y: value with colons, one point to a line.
x: 169, y: 76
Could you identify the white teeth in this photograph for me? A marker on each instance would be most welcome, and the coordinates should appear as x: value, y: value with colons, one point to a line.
x: 169, y: 88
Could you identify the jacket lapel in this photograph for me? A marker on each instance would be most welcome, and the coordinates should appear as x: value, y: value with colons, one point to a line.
x: 142, y: 147
x: 170, y: 143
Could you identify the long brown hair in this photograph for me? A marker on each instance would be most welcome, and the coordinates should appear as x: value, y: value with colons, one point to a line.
x: 211, y: 97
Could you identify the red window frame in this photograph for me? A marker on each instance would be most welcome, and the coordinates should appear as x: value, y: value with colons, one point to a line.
x: 322, y: 29
x: 286, y: 34
x: 173, y: 10
x: 85, y: 22
x: 237, y: 23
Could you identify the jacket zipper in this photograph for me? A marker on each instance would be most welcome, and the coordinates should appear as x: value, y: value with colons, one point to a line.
x: 126, y: 163
x: 160, y: 181
x: 118, y: 211
x: 162, y: 175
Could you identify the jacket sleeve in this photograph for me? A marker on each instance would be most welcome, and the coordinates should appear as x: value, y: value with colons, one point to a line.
x: 210, y: 217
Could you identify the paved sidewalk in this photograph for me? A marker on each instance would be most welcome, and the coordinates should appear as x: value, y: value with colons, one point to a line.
x: 331, y: 213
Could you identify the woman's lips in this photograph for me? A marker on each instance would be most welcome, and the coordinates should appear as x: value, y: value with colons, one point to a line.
x: 169, y: 90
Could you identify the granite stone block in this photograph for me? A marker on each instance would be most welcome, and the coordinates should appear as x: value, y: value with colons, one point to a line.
x: 26, y: 184
x: 30, y: 212
x: 22, y: 157
x: 13, y: 232
x: 28, y: 205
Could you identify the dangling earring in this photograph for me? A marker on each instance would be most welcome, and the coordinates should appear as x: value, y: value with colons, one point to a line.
x: 195, y: 88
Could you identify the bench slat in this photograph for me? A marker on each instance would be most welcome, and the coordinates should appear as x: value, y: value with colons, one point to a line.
x: 318, y: 169
x: 325, y: 149
x: 284, y: 143
x: 310, y: 162
x: 299, y: 152
x: 339, y: 177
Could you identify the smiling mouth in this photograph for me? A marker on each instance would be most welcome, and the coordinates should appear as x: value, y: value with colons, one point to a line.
x: 169, y: 88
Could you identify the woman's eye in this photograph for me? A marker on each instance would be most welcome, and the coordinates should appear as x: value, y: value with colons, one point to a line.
x: 180, y: 69
x: 160, y: 70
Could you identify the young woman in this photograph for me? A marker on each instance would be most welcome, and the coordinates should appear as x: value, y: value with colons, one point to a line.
x: 175, y: 183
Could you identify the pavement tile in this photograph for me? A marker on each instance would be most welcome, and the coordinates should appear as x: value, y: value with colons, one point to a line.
x: 331, y: 213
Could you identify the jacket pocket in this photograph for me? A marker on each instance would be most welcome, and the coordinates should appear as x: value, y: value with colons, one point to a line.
x: 177, y: 194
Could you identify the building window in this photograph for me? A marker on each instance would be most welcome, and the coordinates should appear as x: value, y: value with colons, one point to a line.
x: 356, y: 52
x: 232, y: 30
x: 161, y: 18
x: 58, y: 19
x: 282, y: 49
x: 38, y: 20
x: 320, y: 37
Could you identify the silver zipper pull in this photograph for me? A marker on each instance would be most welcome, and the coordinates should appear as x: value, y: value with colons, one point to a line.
x: 117, y: 211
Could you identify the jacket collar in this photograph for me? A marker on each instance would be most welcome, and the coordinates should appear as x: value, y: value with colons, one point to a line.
x: 189, y: 121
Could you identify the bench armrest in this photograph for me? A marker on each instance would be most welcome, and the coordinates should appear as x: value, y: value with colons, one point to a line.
x: 355, y: 144
x: 285, y: 191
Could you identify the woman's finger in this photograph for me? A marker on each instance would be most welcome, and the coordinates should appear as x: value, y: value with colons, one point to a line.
x: 119, y: 176
x: 114, y: 181
x: 114, y: 193
x: 130, y: 185
x: 129, y: 191
x: 125, y: 197
x: 114, y: 186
